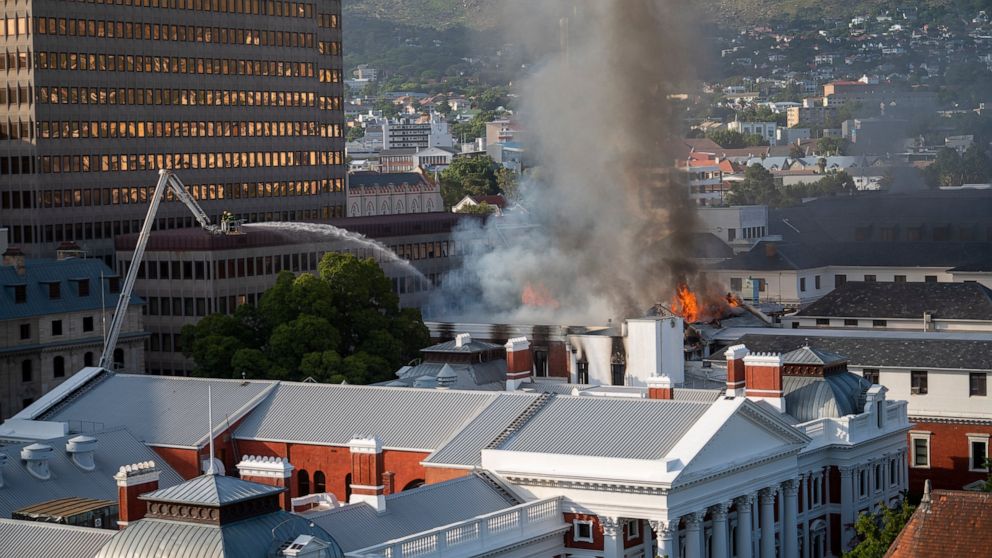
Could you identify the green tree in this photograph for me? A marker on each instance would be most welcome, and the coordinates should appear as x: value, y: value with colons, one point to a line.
x: 508, y: 182
x: 796, y: 152
x: 831, y: 146
x: 468, y: 176
x: 876, y: 532
x: 729, y: 139
x: 343, y: 324
x: 355, y: 133
x: 480, y: 209
x: 953, y: 169
x: 757, y: 188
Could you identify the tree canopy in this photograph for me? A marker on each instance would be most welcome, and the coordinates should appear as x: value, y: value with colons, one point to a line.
x: 343, y: 324
x: 876, y: 532
x: 759, y: 188
x: 729, y: 139
x: 952, y: 169
x: 469, y: 176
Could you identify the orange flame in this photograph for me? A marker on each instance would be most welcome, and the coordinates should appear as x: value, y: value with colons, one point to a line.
x: 685, y: 304
x: 538, y: 295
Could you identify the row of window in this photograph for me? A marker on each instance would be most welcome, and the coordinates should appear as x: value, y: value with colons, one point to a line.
x: 255, y: 7
x: 177, y: 129
x: 848, y: 322
x: 978, y: 451
x: 25, y: 234
x: 179, y: 97
x: 55, y: 293
x: 56, y: 164
x: 942, y: 233
x: 15, y: 26
x: 58, y: 367
x: 173, y: 33
x: 83, y: 62
x: 919, y: 381
x: 870, y: 478
x: 15, y: 60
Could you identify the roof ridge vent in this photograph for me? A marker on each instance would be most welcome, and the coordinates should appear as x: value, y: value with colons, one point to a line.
x: 36, y: 458
x: 82, y: 448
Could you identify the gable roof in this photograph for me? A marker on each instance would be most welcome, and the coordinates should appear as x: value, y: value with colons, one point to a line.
x: 115, y: 448
x: 956, y: 523
x: 404, y: 418
x: 161, y: 410
x: 465, y: 447
x: 949, y: 301
x: 368, y: 178
x: 211, y: 490
x: 358, y: 526
x: 39, y: 274
x: 36, y: 538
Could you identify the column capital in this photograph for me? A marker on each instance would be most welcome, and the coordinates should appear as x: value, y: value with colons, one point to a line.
x: 767, y: 493
x: 719, y: 511
x: 695, y: 519
x: 846, y: 470
x: 610, y: 525
x: 744, y: 501
x: 665, y: 529
x: 791, y: 487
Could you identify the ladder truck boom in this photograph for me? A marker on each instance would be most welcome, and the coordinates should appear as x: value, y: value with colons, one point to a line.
x: 167, y: 180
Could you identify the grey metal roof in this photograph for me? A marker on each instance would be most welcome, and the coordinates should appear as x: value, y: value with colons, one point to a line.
x: 414, y: 511
x: 249, y: 538
x: 915, y: 352
x: 161, y: 410
x: 809, y: 355
x: 607, y: 427
x: 465, y: 448
x: 115, y: 448
x: 681, y: 394
x: 813, y: 397
x: 407, y: 418
x: 490, y: 375
x: 364, y: 179
x: 955, y: 301
x: 34, y: 538
x: 472, y: 346
x: 211, y: 490
x: 40, y: 273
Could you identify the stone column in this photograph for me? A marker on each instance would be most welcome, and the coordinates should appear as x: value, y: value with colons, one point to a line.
x: 846, y: 504
x: 721, y: 542
x: 693, y: 535
x: 767, y: 502
x: 665, y: 532
x: 790, y: 536
x: 745, y: 536
x: 648, y: 537
x: 612, y: 536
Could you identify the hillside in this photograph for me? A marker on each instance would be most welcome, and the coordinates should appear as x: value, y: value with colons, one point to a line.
x: 439, y: 14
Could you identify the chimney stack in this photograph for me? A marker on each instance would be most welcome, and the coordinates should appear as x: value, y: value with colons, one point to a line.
x: 462, y: 339
x: 36, y: 458
x: 519, y: 362
x: 82, y: 448
x: 366, y: 472
x: 389, y: 483
x: 14, y: 257
x: 735, y: 370
x: 771, y: 249
x: 763, y: 379
x: 273, y: 471
x: 660, y: 387
x: 133, y: 481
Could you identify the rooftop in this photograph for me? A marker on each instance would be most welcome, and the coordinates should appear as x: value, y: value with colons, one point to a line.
x: 35, y: 538
x: 796, y: 256
x: 956, y: 523
x: 211, y: 490
x: 369, y: 179
x: 69, y: 274
x: 948, y: 301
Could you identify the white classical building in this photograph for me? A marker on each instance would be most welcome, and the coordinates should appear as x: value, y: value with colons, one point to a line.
x: 375, y: 193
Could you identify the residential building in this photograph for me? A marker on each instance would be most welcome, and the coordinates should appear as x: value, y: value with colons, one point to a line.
x: 497, y: 202
x: 503, y: 131
x: 950, y: 522
x: 398, y: 160
x: 768, y: 131
x: 374, y: 193
x: 409, y: 134
x: 810, y: 115
x: 739, y: 226
x: 708, y: 177
x: 51, y: 323
x: 242, y: 99
x: 187, y: 274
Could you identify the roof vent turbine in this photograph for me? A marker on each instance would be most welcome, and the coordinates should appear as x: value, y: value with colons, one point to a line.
x: 82, y: 448
x: 36, y: 458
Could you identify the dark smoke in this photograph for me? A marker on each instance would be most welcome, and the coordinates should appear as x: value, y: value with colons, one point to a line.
x: 612, y: 224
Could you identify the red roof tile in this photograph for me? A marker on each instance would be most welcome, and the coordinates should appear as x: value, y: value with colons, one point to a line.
x: 958, y: 523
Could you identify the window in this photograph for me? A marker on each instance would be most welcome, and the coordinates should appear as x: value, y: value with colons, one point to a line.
x: 88, y: 357
x: 823, y: 321
x: 88, y: 323
x: 54, y: 290
x: 977, y: 384
x: 303, y: 483
x: 851, y: 322
x: 56, y: 327
x: 541, y: 363
x: 900, y: 278
x: 918, y: 382
x: 118, y: 358
x: 26, y: 372
x: 633, y: 529
x: 870, y: 278
x: 58, y: 367
x: 20, y: 294
x: 870, y: 374
x: 879, y: 485
x: 582, y: 374
x: 893, y: 472
x: 879, y: 323
x: 802, y: 284
x: 25, y: 331
x: 863, y: 483
x: 736, y: 284
x: 930, y: 279
x: 817, y: 490
x: 84, y: 287
x: 978, y: 448
x: 921, y: 449
x: 816, y: 282
x: 840, y: 280
x: 582, y: 531
x: 319, y: 482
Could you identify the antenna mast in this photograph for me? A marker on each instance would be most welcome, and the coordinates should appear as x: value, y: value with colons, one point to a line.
x: 211, y: 468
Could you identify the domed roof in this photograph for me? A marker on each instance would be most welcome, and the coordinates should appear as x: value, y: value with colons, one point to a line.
x: 813, y: 397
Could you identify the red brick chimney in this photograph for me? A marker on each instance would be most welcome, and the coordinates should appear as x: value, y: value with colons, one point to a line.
x: 367, y: 472
x: 273, y: 471
x: 735, y: 369
x: 133, y: 481
x: 660, y: 387
x: 519, y: 362
x: 763, y: 379
x: 389, y: 483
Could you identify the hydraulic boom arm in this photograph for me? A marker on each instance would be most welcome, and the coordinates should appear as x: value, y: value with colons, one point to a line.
x: 166, y: 180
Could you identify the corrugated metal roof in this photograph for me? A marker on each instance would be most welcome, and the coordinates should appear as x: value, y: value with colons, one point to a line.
x: 249, y: 538
x: 607, y: 427
x: 66, y: 507
x: 813, y: 397
x: 490, y: 375
x: 40, y: 273
x: 115, y: 448
x: 407, y: 418
x: 414, y: 511
x: 211, y: 490
x: 472, y: 346
x: 809, y: 355
x: 465, y: 448
x: 35, y: 538
x: 163, y: 410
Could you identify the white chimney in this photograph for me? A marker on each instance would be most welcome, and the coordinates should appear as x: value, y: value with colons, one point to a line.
x: 82, y: 448
x: 36, y: 458
x: 462, y: 339
x: 655, y: 347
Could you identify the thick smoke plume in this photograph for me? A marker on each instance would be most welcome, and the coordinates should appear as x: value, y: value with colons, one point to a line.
x: 610, y: 224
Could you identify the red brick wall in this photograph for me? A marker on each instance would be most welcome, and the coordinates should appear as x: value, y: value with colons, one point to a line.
x: 597, y: 532
x: 130, y: 508
x: 763, y: 378
x: 557, y: 360
x: 437, y: 474
x: 639, y: 539
x: 735, y: 373
x: 184, y: 461
x: 949, y: 454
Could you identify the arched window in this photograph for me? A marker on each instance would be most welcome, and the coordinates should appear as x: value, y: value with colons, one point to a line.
x: 88, y: 358
x: 319, y: 483
x: 58, y: 367
x: 354, y: 210
x: 118, y: 359
x: 370, y: 209
x: 26, y: 372
x: 416, y: 483
x: 303, y: 482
